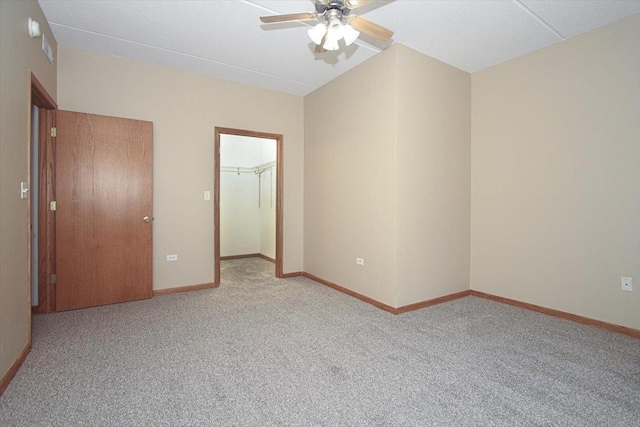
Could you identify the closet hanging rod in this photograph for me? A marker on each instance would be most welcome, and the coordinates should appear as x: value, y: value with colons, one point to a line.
x: 240, y: 170
x: 237, y: 170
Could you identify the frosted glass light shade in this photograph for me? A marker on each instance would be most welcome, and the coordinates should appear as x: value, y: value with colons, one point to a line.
x: 331, y: 44
x: 316, y: 34
x: 350, y: 34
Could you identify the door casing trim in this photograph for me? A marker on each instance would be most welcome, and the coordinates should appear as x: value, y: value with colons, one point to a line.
x: 39, y: 97
x: 279, y: 193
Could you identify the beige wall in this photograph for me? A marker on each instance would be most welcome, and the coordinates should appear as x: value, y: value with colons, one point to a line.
x: 556, y: 176
x: 387, y: 178
x: 434, y: 189
x: 18, y: 54
x: 350, y: 179
x: 184, y: 109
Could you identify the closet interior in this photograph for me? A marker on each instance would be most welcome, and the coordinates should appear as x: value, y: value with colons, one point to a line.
x: 247, y: 197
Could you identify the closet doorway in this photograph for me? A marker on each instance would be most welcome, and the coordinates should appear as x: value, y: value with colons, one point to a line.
x: 248, y: 197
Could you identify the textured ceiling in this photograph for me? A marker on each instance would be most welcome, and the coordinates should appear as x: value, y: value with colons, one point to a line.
x: 225, y: 39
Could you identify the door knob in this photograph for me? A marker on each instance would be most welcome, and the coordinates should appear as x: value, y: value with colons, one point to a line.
x: 146, y: 218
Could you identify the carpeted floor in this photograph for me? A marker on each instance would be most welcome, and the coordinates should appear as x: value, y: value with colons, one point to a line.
x: 259, y: 351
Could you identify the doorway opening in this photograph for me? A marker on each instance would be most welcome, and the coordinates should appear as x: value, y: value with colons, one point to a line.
x: 248, y: 197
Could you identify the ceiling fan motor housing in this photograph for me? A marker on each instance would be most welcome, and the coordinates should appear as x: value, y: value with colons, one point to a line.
x: 330, y: 6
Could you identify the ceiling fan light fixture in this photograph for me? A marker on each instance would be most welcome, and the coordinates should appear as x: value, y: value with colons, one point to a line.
x: 335, y: 22
x: 350, y: 34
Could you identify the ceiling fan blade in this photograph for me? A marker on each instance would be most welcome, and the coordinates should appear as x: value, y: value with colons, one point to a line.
x: 368, y: 27
x: 291, y: 17
x: 352, y: 4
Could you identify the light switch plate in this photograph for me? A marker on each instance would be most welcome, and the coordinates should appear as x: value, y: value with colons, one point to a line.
x: 24, y: 190
x: 626, y: 284
x: 207, y: 195
x: 172, y: 257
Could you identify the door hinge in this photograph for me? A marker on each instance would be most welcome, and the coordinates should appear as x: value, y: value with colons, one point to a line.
x: 54, y: 132
x: 53, y: 205
x: 53, y: 279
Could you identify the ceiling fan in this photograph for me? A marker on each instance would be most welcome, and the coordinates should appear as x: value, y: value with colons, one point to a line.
x: 336, y: 22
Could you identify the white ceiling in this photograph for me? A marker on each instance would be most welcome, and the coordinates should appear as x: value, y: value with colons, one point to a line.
x: 225, y: 39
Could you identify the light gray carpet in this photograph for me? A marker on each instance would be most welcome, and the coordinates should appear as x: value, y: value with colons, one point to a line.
x: 260, y: 351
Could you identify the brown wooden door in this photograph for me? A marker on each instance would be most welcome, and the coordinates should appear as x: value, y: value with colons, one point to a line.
x: 103, y: 190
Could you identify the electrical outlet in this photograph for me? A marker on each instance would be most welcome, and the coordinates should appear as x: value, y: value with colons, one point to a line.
x: 172, y: 257
x: 626, y: 284
x: 360, y: 261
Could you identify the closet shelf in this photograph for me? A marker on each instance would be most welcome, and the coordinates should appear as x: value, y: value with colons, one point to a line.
x: 256, y: 169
